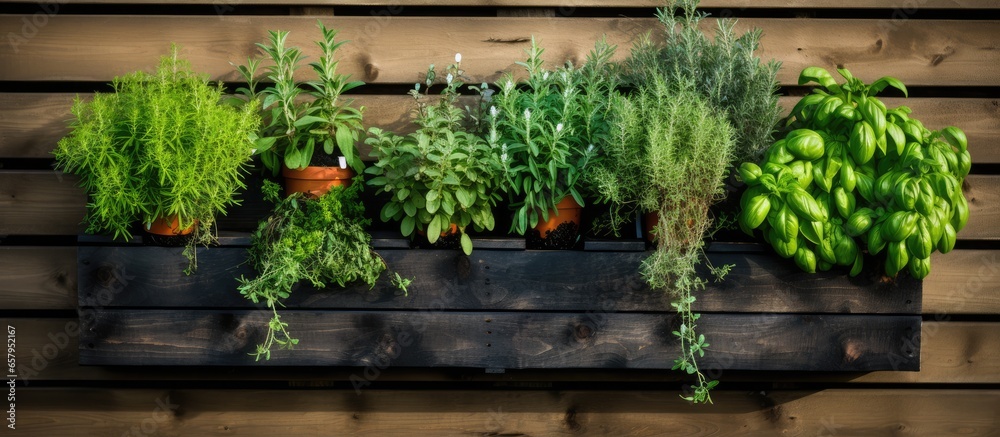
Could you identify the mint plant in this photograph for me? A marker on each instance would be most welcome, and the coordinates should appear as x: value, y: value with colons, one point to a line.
x: 549, y: 128
x: 444, y: 173
x: 301, y: 116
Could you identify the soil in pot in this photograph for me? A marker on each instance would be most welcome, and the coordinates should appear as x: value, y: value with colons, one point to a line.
x: 560, y: 231
x: 165, y: 232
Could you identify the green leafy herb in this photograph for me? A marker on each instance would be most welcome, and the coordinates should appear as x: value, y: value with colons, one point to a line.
x: 549, y: 128
x: 443, y: 174
x: 302, y: 116
x: 725, y: 70
x: 160, y: 145
x: 668, y: 154
x: 320, y: 240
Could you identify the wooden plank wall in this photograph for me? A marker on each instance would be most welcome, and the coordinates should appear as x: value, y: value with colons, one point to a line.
x: 947, y: 51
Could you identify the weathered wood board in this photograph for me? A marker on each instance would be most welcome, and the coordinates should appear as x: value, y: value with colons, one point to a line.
x: 495, y: 309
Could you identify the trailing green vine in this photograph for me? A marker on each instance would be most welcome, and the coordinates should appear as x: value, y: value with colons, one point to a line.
x: 669, y: 154
x: 320, y: 240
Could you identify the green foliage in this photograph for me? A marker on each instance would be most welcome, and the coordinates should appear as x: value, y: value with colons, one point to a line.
x: 852, y: 174
x: 549, y: 128
x: 443, y: 173
x: 725, y: 69
x: 668, y: 153
x: 160, y: 145
x: 301, y: 116
x: 322, y: 241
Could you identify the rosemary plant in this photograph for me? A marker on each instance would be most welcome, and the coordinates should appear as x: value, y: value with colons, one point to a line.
x: 161, y: 145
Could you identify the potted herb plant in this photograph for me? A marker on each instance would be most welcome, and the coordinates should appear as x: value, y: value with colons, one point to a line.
x: 320, y: 240
x: 668, y: 153
x: 161, y: 150
x: 443, y: 175
x: 301, y: 116
x: 550, y: 127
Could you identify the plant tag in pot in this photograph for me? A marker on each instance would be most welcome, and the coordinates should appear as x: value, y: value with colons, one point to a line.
x: 343, y: 162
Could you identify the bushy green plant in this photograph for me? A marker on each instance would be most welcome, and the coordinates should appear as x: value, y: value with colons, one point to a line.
x: 725, y: 69
x: 300, y: 116
x: 442, y: 174
x: 850, y: 174
x: 320, y: 240
x: 668, y: 153
x: 550, y: 127
x: 161, y: 145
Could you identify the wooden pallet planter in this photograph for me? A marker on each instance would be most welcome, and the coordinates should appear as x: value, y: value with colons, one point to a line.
x: 496, y: 309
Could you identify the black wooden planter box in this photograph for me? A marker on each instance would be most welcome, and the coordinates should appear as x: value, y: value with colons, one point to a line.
x: 497, y: 309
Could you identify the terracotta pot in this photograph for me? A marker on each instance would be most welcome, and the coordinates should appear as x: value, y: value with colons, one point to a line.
x: 567, y: 210
x: 169, y: 226
x: 649, y: 222
x: 315, y: 181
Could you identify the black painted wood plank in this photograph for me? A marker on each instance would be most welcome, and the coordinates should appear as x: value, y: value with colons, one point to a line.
x: 501, y: 340
x: 151, y: 277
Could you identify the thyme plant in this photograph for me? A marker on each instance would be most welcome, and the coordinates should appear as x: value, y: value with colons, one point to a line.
x: 442, y: 174
x: 725, y: 70
x: 668, y: 153
x: 294, y: 126
x: 550, y: 127
x: 160, y: 145
x: 322, y: 241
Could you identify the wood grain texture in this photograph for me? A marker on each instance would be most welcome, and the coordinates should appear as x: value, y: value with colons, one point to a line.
x: 31, y: 124
x: 950, y: 352
x: 38, y: 278
x: 640, y: 413
x: 918, y: 52
x: 569, y: 6
x: 505, y: 340
x: 983, y: 195
x: 40, y: 203
x: 152, y: 277
x: 961, y: 282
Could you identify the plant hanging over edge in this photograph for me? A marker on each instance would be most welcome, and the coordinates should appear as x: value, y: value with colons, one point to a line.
x: 674, y: 149
x: 320, y: 240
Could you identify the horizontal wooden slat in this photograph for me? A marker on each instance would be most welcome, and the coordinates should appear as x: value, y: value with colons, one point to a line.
x: 742, y: 4
x: 505, y: 340
x: 919, y: 52
x: 963, y: 282
x: 45, y: 278
x: 49, y: 203
x: 180, y: 412
x: 600, y: 282
x: 950, y: 352
x: 38, y: 278
x: 31, y: 124
x: 40, y: 203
